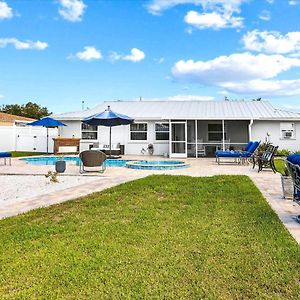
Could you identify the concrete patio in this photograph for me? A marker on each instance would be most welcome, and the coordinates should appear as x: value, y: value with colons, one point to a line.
x: 268, y: 183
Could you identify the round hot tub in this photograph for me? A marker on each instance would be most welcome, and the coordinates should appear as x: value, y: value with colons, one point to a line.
x: 156, y: 164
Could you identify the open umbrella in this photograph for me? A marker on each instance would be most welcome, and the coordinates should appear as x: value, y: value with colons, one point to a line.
x: 48, y: 123
x: 109, y: 119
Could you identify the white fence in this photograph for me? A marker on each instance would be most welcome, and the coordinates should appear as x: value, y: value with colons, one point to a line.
x: 28, y: 138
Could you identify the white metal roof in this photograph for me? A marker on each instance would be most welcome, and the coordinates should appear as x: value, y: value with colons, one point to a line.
x: 188, y: 110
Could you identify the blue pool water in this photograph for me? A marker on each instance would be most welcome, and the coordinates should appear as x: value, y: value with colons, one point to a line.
x: 156, y: 165
x: 132, y: 164
x: 50, y: 160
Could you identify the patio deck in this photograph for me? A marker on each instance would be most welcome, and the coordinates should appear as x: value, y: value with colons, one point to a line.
x: 268, y: 183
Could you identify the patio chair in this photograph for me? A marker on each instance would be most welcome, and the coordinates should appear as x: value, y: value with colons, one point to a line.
x: 293, y: 166
x: 6, y: 156
x: 201, y: 151
x: 92, y: 159
x: 239, y: 156
x: 266, y: 159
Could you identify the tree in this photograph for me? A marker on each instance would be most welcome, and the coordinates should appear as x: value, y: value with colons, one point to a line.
x: 29, y: 110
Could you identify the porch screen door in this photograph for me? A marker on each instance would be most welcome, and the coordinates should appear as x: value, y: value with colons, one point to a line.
x: 178, y: 140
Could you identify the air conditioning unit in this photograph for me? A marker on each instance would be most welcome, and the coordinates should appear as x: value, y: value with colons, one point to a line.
x: 287, y: 134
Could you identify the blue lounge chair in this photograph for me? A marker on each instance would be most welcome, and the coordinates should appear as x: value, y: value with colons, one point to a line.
x: 239, y: 156
x: 5, y: 156
x: 293, y: 165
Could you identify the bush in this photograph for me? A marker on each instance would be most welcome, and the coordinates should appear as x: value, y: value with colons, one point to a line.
x: 283, y: 152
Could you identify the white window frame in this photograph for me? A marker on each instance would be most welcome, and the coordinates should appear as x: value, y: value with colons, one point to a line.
x: 88, y: 130
x: 287, y: 127
x: 164, y: 131
x: 137, y: 141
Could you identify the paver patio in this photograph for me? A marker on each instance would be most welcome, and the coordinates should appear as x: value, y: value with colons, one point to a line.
x: 268, y: 183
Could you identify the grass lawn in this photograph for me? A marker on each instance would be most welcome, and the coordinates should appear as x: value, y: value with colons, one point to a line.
x: 280, y: 165
x: 21, y: 153
x: 159, y: 237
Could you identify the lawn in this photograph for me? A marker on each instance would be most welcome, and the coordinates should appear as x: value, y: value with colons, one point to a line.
x: 23, y: 153
x: 161, y: 237
x: 280, y: 165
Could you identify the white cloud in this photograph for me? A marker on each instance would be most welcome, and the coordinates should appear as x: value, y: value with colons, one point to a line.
x: 72, y: 10
x: 242, y: 73
x: 89, y: 53
x: 265, y: 15
x: 1, y: 96
x: 156, y: 7
x: 5, y: 11
x: 270, y: 1
x: 20, y: 45
x: 265, y: 87
x: 235, y: 67
x: 160, y: 60
x: 293, y: 2
x: 272, y: 42
x: 135, y: 55
x: 212, y: 20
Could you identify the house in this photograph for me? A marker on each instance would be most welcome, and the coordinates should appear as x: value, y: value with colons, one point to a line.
x: 188, y: 128
x: 13, y: 120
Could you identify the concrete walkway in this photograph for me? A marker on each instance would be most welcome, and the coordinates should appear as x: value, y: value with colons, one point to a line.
x: 268, y: 183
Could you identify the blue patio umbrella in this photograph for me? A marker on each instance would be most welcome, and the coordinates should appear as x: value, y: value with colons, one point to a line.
x: 109, y: 119
x: 48, y: 123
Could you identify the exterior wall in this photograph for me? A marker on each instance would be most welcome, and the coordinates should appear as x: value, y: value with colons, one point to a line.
x: 13, y: 138
x: 260, y: 129
x: 120, y: 134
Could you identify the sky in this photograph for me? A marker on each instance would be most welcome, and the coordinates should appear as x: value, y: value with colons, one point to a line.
x: 59, y: 53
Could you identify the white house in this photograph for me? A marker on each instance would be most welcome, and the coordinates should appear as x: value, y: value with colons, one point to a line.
x: 188, y: 128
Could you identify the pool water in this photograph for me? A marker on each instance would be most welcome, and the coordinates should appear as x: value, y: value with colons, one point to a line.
x: 131, y: 164
x: 156, y: 165
x: 50, y: 160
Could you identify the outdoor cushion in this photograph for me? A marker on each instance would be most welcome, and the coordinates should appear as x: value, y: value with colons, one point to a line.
x: 251, y: 149
x: 5, y: 154
x: 228, y: 153
x: 248, y: 146
x: 294, y: 159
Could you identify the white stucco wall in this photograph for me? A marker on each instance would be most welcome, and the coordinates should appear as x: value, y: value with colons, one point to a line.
x: 120, y: 134
x: 260, y: 129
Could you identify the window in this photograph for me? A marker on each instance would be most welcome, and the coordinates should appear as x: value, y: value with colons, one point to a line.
x: 138, y: 131
x: 162, y: 131
x: 215, y: 132
x: 287, y: 130
x: 89, y: 132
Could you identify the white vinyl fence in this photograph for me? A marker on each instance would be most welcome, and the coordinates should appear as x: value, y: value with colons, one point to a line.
x: 28, y: 138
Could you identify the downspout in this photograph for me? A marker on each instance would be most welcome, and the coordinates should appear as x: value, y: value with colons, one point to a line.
x: 250, y: 129
x: 223, y: 135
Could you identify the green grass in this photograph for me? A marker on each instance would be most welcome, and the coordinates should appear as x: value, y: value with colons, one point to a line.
x: 161, y: 237
x: 23, y: 153
x: 280, y: 165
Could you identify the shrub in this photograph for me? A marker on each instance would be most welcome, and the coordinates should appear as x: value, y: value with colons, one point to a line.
x: 283, y: 152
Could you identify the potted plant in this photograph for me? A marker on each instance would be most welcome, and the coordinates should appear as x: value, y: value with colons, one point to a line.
x: 60, y: 165
x: 287, y: 185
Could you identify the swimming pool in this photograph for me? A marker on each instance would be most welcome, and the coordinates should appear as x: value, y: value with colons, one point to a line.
x: 156, y: 164
x: 50, y: 160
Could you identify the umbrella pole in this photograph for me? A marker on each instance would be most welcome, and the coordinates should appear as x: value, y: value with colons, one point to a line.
x: 110, y: 141
x: 47, y: 139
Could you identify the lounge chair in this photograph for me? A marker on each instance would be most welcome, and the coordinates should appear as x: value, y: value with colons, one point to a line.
x: 266, y: 159
x: 6, y: 156
x: 239, y: 156
x: 92, y: 159
x: 293, y: 166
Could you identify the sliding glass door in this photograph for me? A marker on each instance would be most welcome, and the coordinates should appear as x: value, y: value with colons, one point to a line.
x: 178, y: 140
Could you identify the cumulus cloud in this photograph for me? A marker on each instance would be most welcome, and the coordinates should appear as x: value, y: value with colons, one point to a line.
x: 180, y: 98
x: 6, y: 12
x: 293, y: 2
x: 156, y: 7
x: 265, y: 87
x: 135, y: 55
x: 265, y: 15
x: 23, y: 45
x: 272, y: 42
x: 212, y: 20
x: 89, y: 53
x: 241, y: 73
x: 235, y: 67
x: 72, y: 10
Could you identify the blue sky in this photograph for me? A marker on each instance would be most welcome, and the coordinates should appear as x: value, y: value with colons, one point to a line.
x: 60, y: 52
